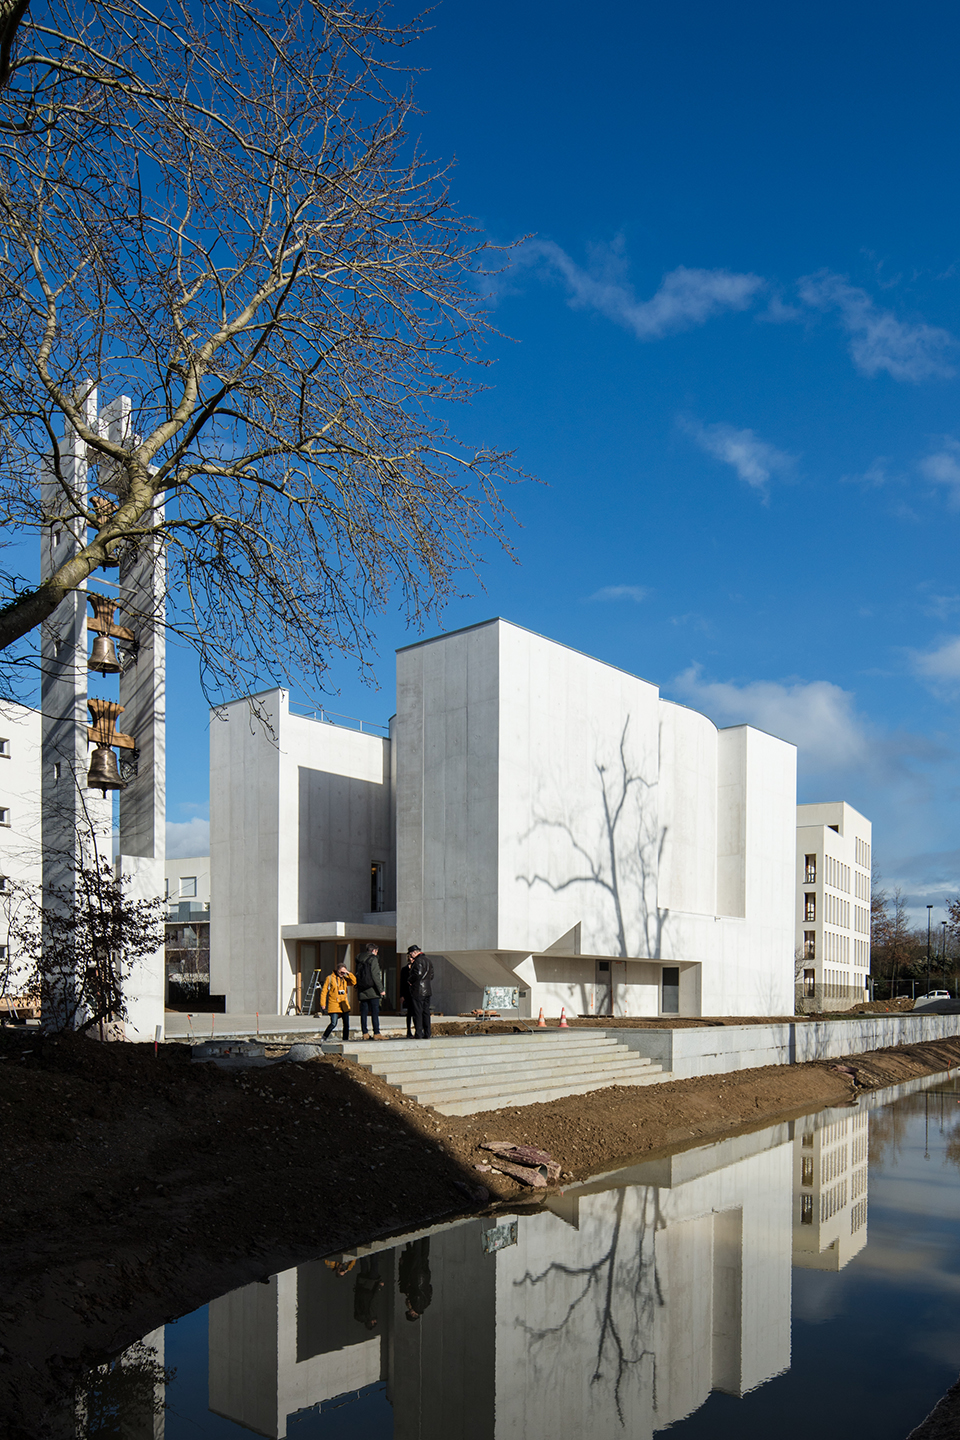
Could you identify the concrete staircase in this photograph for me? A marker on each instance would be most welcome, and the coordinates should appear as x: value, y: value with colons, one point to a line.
x: 460, y: 1075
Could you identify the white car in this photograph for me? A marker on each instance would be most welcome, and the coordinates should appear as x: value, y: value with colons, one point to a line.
x: 934, y: 995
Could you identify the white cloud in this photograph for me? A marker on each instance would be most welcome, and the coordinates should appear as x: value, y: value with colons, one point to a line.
x: 940, y: 666
x: 816, y: 716
x: 878, y: 340
x: 875, y: 475
x: 620, y: 592
x: 754, y: 460
x: 188, y: 837
x: 943, y: 468
x: 686, y: 297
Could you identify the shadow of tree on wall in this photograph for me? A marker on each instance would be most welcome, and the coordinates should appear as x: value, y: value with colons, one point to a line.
x: 626, y: 1293
x: 623, y: 861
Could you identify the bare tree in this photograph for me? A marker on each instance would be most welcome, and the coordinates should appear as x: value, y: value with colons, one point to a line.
x: 218, y: 210
x: 895, y: 949
x: 79, y: 943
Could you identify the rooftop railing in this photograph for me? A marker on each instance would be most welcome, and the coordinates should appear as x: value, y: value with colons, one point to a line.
x: 333, y: 717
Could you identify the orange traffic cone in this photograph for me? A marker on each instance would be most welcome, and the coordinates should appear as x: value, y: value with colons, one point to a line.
x: 563, y: 1018
x: 541, y: 1023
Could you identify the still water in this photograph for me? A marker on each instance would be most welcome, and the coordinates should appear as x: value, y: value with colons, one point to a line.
x: 801, y: 1280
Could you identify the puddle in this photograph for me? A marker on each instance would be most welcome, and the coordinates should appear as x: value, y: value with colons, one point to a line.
x: 795, y: 1281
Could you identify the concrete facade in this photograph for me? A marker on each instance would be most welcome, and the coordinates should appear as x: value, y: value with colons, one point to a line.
x: 563, y: 829
x: 834, y: 851
x: 540, y: 820
x: 300, y: 813
x: 77, y: 821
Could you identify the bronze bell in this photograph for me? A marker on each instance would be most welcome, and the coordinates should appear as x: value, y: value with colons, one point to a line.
x: 103, y: 656
x: 103, y: 773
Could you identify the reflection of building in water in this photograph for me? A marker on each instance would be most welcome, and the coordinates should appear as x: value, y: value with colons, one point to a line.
x: 294, y: 1342
x: 124, y: 1397
x: 612, y: 1308
x: 830, y: 1189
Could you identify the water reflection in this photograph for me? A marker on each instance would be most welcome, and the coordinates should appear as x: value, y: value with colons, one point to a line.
x: 617, y: 1309
x: 830, y: 1189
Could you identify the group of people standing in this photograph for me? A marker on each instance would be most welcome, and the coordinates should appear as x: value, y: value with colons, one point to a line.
x: 413, y: 1282
x: 416, y: 988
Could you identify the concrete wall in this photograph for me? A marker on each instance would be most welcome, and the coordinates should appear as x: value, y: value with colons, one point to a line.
x: 579, y: 827
x: 342, y: 779
x: 552, y: 811
x: 716, y: 1050
x: 253, y: 860
x: 299, y: 810
x: 688, y: 804
x: 447, y: 749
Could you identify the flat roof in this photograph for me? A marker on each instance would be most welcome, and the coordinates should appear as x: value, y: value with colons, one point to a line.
x: 502, y: 620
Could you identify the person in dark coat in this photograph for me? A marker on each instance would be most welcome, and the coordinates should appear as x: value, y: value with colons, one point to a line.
x: 370, y: 990
x: 366, y: 1288
x: 405, y: 1002
x: 421, y: 988
x: 414, y: 1277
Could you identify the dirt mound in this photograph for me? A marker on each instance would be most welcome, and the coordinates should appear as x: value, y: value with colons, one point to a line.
x: 465, y: 1026
x: 882, y: 1007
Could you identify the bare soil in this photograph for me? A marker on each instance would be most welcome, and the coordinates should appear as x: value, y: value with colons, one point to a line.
x: 136, y: 1186
x: 466, y: 1025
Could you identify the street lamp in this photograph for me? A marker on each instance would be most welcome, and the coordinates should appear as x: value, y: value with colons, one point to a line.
x: 929, y: 908
x: 943, y: 952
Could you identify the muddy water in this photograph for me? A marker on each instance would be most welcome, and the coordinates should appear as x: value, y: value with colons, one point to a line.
x: 801, y: 1280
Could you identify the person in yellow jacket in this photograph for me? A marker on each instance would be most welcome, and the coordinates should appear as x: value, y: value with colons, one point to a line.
x: 335, y: 999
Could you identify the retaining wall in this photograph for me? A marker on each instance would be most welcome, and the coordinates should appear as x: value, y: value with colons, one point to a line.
x: 716, y: 1049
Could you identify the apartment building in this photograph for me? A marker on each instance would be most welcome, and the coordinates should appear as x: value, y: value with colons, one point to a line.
x: 833, y: 906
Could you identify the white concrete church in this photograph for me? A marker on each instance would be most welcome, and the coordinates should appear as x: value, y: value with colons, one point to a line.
x: 535, y: 818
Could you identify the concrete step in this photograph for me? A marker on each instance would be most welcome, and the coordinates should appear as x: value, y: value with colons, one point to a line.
x: 460, y: 1075
x: 462, y: 1044
x: 442, y: 1072
x: 387, y: 1065
x: 496, y: 1084
x: 509, y: 1099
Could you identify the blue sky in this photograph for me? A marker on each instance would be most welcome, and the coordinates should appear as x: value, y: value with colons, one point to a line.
x: 734, y: 363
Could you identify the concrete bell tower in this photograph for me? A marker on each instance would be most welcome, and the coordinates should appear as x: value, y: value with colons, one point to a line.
x: 76, y: 819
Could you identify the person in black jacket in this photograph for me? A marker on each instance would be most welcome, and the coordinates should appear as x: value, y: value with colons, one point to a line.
x: 370, y: 990
x: 414, y: 1277
x: 405, y: 1003
x: 421, y: 988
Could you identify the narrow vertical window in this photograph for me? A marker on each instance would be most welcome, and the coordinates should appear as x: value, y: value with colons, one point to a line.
x: 376, y: 886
